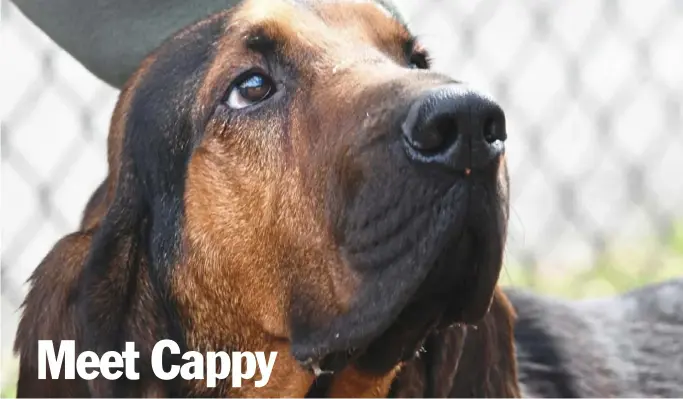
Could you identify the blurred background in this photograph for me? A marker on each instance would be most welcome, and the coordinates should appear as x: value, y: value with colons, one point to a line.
x: 593, y: 92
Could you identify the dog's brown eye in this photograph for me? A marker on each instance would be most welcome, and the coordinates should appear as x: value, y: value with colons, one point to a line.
x: 250, y: 90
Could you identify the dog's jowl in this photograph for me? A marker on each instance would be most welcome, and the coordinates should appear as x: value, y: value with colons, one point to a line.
x: 290, y: 177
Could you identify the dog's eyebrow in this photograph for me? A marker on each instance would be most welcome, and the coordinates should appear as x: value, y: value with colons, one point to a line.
x: 258, y: 40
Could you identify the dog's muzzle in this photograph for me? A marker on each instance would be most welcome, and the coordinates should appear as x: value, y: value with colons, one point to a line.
x: 423, y: 231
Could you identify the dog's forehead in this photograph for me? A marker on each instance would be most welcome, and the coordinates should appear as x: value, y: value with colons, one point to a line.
x: 385, y: 6
x: 311, y: 19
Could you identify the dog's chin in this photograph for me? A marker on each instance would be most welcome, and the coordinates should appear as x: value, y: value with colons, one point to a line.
x: 450, y: 295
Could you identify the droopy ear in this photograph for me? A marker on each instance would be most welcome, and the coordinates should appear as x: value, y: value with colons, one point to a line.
x: 488, y: 367
x: 48, y: 314
x: 138, y: 240
x: 475, y: 361
x: 109, y: 284
x: 431, y: 374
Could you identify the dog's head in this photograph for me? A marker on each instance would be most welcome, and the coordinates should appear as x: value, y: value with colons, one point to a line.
x: 297, y: 174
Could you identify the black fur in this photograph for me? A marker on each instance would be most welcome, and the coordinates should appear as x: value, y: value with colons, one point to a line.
x: 624, y: 346
x: 540, y: 360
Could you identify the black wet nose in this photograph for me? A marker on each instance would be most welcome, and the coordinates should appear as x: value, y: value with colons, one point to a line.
x: 455, y: 127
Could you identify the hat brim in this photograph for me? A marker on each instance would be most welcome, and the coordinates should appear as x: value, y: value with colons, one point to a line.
x: 111, y: 37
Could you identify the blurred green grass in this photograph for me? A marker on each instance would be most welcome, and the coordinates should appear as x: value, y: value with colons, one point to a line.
x: 9, y: 377
x: 9, y: 391
x: 614, y: 272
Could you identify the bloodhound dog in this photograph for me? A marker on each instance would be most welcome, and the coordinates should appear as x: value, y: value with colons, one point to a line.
x: 291, y: 176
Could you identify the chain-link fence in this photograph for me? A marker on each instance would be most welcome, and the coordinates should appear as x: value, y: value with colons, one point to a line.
x: 593, y: 91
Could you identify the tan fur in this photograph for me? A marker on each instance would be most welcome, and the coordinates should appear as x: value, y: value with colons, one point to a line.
x: 353, y: 383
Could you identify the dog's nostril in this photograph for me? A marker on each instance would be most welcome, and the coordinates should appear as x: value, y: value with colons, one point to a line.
x: 434, y: 135
x: 440, y: 134
x: 494, y: 131
x: 447, y: 130
x: 429, y: 139
x: 494, y: 125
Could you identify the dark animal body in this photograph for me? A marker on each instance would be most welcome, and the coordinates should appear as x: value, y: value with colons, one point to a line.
x: 290, y: 176
x: 629, y: 345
